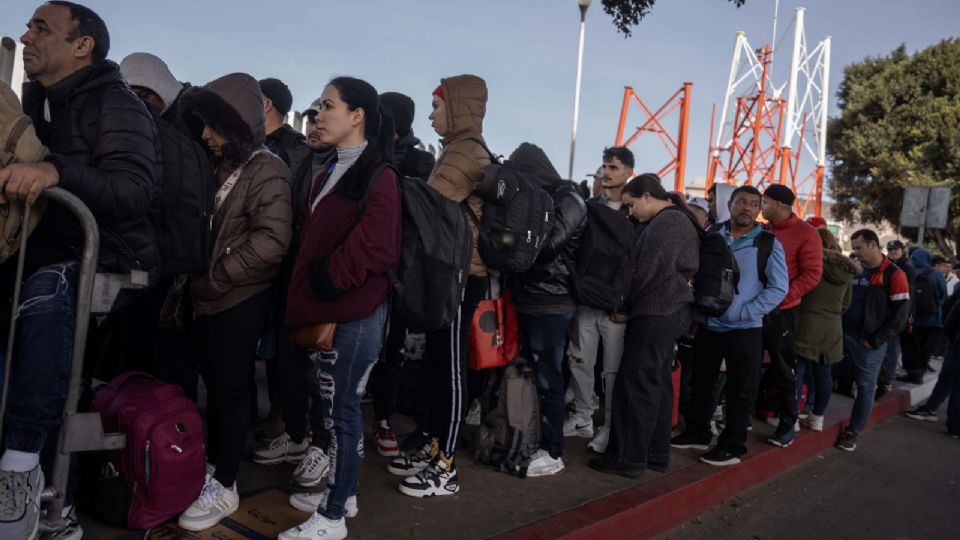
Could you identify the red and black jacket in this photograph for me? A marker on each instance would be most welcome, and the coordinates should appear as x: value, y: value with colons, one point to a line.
x: 886, y: 304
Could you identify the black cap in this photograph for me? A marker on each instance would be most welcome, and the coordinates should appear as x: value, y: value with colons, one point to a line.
x: 278, y: 93
x: 895, y: 244
x: 780, y: 193
x: 402, y: 109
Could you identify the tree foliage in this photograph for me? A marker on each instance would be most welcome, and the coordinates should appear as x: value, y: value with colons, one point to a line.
x: 899, y: 126
x: 628, y: 13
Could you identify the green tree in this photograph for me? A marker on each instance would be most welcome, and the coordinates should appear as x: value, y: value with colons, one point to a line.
x: 628, y: 13
x: 899, y: 126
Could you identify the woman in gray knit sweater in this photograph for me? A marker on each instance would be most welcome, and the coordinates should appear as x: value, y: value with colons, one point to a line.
x: 661, y: 309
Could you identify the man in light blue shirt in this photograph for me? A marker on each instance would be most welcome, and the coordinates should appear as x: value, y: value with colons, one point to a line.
x: 737, y: 335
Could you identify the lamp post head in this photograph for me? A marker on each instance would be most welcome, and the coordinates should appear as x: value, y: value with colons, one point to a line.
x: 584, y: 4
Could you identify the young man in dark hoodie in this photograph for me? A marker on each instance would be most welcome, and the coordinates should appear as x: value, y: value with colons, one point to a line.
x: 921, y: 338
x: 386, y: 377
x: 545, y: 305
x: 897, y: 253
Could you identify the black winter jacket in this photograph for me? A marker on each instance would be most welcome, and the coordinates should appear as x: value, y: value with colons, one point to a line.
x: 105, y: 145
x: 548, y: 283
x: 284, y: 140
x: 886, y: 306
x: 410, y: 160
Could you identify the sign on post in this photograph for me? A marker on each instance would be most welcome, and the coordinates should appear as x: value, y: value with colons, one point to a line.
x: 925, y: 208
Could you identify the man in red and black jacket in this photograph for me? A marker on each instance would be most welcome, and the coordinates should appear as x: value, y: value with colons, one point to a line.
x: 878, y: 310
x: 804, y: 252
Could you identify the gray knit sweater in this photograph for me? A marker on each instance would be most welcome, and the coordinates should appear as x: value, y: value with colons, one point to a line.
x: 667, y: 257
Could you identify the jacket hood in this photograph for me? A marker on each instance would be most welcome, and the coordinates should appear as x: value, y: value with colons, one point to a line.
x: 148, y: 71
x: 921, y: 259
x: 839, y: 269
x: 402, y: 108
x: 466, y: 99
x: 232, y: 106
x: 531, y: 160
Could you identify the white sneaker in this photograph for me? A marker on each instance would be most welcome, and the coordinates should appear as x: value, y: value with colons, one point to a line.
x: 317, y: 528
x: 541, y: 464
x: 214, y: 503
x: 813, y: 422
x: 575, y: 426
x: 599, y: 443
x: 281, y: 449
x: 312, y: 502
x: 411, y: 464
x: 385, y: 439
x: 474, y: 415
x: 312, y: 468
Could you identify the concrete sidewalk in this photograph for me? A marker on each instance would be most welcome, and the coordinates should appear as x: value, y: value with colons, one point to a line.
x: 903, y: 482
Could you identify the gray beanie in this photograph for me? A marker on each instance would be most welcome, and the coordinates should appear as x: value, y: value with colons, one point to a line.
x: 148, y: 71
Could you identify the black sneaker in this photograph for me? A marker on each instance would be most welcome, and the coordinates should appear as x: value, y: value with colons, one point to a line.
x: 921, y: 413
x: 439, y: 478
x: 690, y: 440
x: 414, y: 442
x: 847, y: 442
x: 720, y: 458
x: 609, y: 467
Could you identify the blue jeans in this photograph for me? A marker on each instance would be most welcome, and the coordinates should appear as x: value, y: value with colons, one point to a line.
x: 42, y: 358
x: 866, y: 365
x: 341, y: 377
x: 822, y: 378
x: 949, y: 371
x: 544, y: 338
x: 891, y: 358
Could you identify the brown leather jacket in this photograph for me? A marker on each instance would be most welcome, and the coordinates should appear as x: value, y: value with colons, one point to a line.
x: 252, y: 227
x: 463, y: 159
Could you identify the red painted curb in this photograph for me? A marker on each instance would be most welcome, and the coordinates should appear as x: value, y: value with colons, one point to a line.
x: 659, y: 505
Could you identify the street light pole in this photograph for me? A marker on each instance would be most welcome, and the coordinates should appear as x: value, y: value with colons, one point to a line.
x: 583, y: 4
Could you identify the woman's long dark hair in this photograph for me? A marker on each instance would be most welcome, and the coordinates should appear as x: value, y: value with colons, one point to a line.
x: 378, y: 128
x: 647, y: 183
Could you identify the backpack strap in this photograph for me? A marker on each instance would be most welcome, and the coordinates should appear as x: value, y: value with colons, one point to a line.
x: 494, y: 158
x: 764, y: 245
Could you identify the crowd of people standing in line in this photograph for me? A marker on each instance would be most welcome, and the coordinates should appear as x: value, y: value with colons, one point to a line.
x: 305, y: 232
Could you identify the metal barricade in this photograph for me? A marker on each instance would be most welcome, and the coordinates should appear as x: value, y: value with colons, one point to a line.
x: 79, y: 432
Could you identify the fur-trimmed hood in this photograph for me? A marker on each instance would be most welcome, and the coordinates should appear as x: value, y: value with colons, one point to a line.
x: 233, y: 107
x: 838, y: 268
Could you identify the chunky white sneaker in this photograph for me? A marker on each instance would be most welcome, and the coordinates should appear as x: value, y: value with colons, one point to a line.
x: 386, y: 440
x: 317, y: 528
x: 575, y: 426
x: 20, y: 503
x: 813, y: 422
x: 541, y: 464
x: 599, y: 443
x: 281, y: 449
x: 71, y: 531
x: 214, y: 503
x: 438, y: 478
x: 312, y: 468
x: 312, y: 502
x: 411, y: 464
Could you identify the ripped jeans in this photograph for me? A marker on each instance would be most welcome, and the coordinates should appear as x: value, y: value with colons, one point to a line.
x: 42, y: 358
x: 341, y: 377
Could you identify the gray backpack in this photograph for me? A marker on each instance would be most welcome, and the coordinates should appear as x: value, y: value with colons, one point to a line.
x: 510, y: 432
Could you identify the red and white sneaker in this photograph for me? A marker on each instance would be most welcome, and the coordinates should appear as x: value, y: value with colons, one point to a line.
x: 386, y: 440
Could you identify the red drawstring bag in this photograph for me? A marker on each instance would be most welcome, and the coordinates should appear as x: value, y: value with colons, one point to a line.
x: 494, y: 334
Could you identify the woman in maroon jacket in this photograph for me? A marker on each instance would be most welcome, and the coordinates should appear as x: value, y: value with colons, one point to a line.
x: 348, y: 242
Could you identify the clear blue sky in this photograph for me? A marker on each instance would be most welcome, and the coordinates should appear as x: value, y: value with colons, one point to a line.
x: 525, y: 49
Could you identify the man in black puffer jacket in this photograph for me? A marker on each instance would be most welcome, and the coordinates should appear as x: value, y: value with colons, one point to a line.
x: 103, y: 149
x: 545, y: 304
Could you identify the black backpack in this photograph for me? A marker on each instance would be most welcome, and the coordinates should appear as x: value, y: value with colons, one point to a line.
x: 517, y: 216
x: 603, y: 265
x: 434, y: 259
x: 182, y: 210
x: 925, y: 301
x: 715, y: 283
x: 184, y: 207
